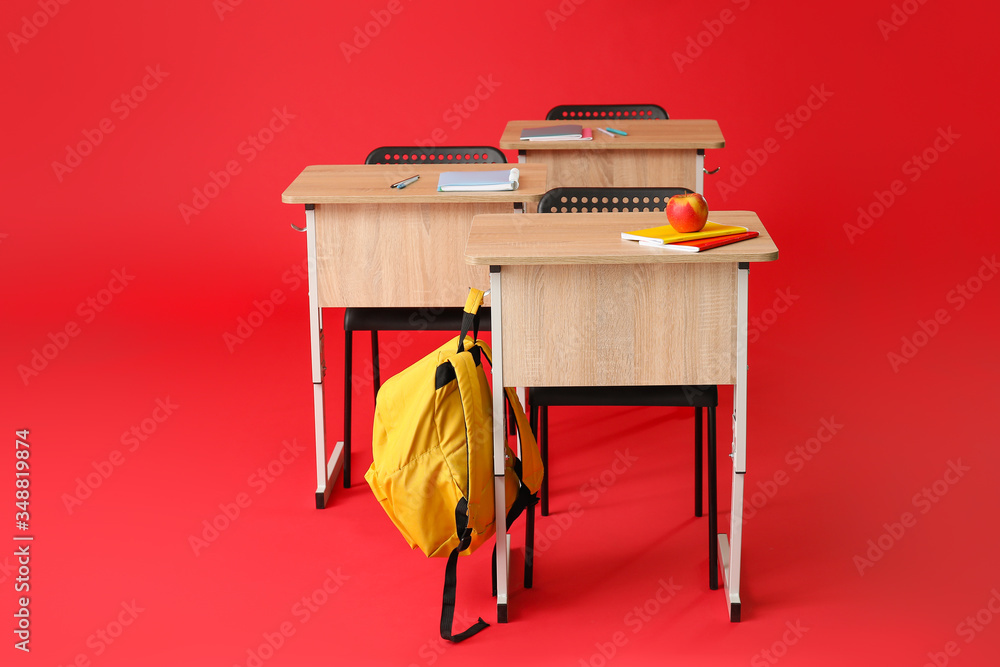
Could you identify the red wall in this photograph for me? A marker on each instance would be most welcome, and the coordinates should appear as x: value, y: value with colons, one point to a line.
x: 861, y: 132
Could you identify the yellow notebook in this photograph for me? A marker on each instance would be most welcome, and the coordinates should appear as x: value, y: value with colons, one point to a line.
x: 667, y: 234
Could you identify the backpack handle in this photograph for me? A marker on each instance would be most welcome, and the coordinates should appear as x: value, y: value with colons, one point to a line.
x: 470, y: 319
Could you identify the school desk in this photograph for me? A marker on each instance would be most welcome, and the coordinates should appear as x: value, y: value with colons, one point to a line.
x: 656, y: 153
x: 573, y: 304
x: 370, y: 245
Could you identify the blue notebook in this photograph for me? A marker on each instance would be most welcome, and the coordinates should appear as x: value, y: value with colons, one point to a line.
x: 478, y: 181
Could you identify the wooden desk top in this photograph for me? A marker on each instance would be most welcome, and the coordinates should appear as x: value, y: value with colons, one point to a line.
x: 642, y: 134
x: 369, y: 184
x: 595, y: 238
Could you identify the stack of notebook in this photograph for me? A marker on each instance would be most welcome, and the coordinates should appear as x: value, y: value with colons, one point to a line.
x: 712, y: 235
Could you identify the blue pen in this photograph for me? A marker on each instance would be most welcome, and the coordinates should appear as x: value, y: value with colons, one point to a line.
x: 618, y: 132
x: 406, y: 181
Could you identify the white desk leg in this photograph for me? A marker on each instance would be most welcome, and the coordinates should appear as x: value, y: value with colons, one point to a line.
x: 730, y: 550
x: 326, y: 471
x: 522, y: 392
x: 699, y: 172
x: 499, y: 440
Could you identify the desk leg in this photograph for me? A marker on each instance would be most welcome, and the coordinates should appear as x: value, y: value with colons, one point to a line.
x: 499, y: 440
x: 522, y: 392
x: 730, y: 549
x: 699, y: 172
x: 326, y: 471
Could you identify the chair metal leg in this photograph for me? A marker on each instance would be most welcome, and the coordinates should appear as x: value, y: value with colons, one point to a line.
x: 376, y: 382
x: 543, y: 449
x: 533, y: 419
x: 348, y: 391
x: 697, y: 461
x: 713, y: 506
x: 529, y: 544
x: 529, y: 538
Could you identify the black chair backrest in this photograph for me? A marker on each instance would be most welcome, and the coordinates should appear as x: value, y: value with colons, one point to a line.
x: 607, y: 112
x: 435, y: 155
x: 606, y: 200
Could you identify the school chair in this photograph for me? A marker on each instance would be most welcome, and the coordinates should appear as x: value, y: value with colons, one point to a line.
x: 607, y: 111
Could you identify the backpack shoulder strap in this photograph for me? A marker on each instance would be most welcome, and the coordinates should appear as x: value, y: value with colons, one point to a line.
x: 468, y: 389
x: 470, y: 318
x: 451, y: 581
x: 531, y: 460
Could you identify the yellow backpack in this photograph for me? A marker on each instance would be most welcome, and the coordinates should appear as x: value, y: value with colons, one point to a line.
x: 432, y: 443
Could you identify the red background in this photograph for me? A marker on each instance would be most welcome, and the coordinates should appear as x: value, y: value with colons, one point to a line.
x: 854, y: 301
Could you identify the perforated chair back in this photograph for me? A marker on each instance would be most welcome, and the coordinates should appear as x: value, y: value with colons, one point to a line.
x: 606, y: 200
x: 435, y: 155
x: 607, y: 111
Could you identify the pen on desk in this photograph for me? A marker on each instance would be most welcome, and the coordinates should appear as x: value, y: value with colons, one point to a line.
x: 406, y: 181
x: 619, y: 132
x: 606, y: 132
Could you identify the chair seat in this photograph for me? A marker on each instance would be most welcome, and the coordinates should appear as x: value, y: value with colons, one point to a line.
x: 410, y: 319
x: 696, y: 396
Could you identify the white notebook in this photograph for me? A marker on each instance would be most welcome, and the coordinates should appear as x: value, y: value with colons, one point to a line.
x: 478, y: 181
x: 557, y: 133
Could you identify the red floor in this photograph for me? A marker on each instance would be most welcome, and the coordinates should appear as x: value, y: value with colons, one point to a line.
x: 195, y: 540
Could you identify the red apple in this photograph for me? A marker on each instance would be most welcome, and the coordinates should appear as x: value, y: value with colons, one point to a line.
x: 687, y: 213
